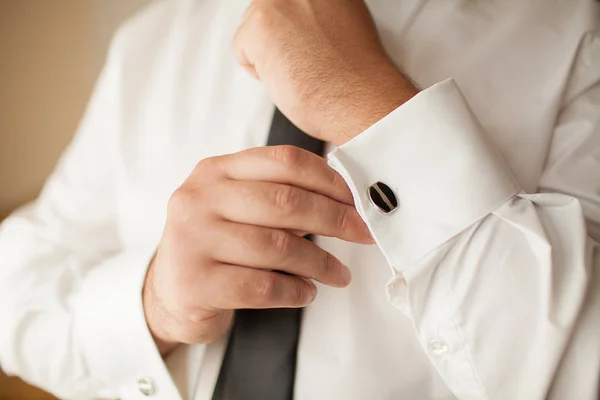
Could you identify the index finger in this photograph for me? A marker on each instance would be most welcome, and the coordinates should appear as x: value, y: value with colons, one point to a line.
x: 287, y: 165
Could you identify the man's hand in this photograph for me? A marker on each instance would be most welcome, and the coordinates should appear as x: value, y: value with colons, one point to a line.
x: 322, y: 63
x: 235, y: 221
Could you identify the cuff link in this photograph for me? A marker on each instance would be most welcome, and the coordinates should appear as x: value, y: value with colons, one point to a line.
x: 145, y: 386
x: 383, y: 198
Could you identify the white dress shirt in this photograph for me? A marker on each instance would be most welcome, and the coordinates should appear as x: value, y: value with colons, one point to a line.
x: 484, y: 283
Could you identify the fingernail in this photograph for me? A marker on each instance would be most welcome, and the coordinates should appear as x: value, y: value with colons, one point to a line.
x: 313, y: 294
x: 346, y: 275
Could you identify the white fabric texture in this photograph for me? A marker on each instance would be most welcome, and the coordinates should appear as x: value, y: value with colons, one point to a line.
x: 484, y: 283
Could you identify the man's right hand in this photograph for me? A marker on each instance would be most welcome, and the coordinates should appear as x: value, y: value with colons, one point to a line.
x: 235, y: 222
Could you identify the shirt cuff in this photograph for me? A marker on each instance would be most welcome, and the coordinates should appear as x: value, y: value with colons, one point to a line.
x: 433, y: 154
x: 116, y: 341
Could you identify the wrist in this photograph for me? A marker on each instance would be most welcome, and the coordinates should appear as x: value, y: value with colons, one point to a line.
x: 156, y: 315
x: 376, y: 96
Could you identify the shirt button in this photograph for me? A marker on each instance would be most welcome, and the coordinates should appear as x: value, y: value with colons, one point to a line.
x: 145, y: 386
x: 438, y: 347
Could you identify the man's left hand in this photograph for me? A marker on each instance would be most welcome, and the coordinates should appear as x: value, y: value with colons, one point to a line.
x: 322, y: 63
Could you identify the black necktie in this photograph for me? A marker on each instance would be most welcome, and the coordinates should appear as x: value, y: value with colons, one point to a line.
x: 260, y: 361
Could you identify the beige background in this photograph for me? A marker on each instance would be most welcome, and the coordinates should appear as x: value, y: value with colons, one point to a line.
x: 50, y: 54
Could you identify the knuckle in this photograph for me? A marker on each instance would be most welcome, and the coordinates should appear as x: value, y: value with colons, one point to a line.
x: 180, y: 201
x: 285, y: 199
x: 204, y: 163
x: 261, y: 14
x: 328, y: 264
x: 210, y: 167
x: 343, y: 218
x: 183, y: 205
x: 266, y: 289
x: 280, y: 241
x: 289, y: 156
x: 298, y: 292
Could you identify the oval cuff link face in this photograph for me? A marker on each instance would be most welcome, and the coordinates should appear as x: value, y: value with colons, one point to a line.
x: 383, y: 197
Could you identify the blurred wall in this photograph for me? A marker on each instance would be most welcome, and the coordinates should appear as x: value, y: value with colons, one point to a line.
x: 50, y: 54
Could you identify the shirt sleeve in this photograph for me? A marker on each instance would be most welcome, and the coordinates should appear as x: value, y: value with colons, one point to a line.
x: 71, y: 311
x: 503, y: 287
